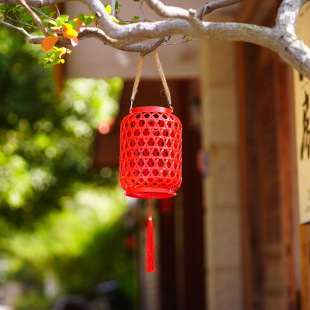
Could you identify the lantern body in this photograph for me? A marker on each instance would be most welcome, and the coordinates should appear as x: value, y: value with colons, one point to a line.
x: 150, y: 153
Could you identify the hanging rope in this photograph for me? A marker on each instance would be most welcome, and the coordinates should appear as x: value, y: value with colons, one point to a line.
x: 137, y: 80
x: 162, y: 76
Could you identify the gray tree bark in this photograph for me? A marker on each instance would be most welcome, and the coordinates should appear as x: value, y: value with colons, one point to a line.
x: 145, y: 36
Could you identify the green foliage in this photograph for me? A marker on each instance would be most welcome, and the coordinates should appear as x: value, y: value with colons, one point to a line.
x: 61, y: 27
x: 61, y: 19
x: 16, y: 15
x: 32, y: 300
x: 117, y: 7
x: 86, y: 233
x: 55, y: 215
x: 45, y: 145
x: 54, y: 57
x: 108, y: 8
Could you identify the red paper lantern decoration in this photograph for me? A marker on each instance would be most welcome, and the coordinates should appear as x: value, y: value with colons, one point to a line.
x: 151, y: 153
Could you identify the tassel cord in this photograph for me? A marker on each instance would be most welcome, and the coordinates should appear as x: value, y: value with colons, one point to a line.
x: 150, y: 244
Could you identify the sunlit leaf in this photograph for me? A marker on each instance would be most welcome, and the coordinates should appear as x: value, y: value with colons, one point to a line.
x: 78, y: 21
x: 73, y: 23
x: 114, y: 19
x: 108, y: 9
x: 48, y: 43
x: 74, y: 42
x: 71, y: 34
x: 62, y: 19
x: 67, y: 26
x: 50, y: 21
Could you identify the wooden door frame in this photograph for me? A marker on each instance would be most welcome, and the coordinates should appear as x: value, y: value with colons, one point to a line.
x: 262, y: 12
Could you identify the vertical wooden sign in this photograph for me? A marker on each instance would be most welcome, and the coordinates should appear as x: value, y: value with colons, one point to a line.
x: 302, y: 124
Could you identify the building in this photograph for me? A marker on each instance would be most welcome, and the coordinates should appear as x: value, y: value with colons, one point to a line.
x: 231, y: 239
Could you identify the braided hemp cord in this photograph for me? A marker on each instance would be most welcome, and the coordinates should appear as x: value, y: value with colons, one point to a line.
x: 138, y: 76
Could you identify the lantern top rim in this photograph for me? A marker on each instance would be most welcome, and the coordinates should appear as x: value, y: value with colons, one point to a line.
x: 151, y: 109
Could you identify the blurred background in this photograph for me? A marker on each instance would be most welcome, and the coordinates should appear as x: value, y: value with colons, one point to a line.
x: 230, y: 240
x: 63, y: 231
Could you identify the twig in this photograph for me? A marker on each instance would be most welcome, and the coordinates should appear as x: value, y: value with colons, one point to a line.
x: 168, y: 11
x: 214, y: 5
x: 137, y: 20
x: 113, y: 2
x: 34, y: 16
x: 43, y: 14
x: 20, y: 22
x: 176, y: 12
x: 34, y: 3
x: 17, y: 28
x: 58, y: 12
x: 180, y: 42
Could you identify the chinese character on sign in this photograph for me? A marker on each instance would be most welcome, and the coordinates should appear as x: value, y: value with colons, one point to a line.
x: 305, y: 146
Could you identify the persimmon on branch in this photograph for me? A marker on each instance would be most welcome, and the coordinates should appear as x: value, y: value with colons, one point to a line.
x: 145, y: 35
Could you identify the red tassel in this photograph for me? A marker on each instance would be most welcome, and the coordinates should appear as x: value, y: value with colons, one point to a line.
x: 150, y: 244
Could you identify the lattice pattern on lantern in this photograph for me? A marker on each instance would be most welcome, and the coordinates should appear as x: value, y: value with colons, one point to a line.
x: 151, y: 153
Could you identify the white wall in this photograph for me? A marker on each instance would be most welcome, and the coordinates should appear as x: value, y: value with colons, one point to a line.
x: 221, y: 186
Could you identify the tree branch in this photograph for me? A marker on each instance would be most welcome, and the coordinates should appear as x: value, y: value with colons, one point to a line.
x: 281, y: 39
x: 113, y: 2
x: 175, y: 12
x: 168, y: 11
x: 34, y: 16
x: 35, y: 3
x: 214, y: 5
x: 287, y: 15
x: 14, y: 27
x: 143, y: 48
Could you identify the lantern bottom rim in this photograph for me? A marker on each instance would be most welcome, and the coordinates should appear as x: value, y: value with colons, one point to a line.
x: 150, y: 193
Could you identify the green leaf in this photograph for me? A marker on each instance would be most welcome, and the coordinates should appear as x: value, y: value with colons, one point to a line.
x: 16, y: 8
x: 42, y: 61
x: 136, y: 0
x: 88, y: 21
x: 61, y: 19
x: 108, y: 8
x: 12, y: 8
x: 57, y: 54
x: 114, y: 19
x: 68, y: 26
x: 81, y: 17
x: 73, y: 24
x: 50, y: 21
x: 27, y: 19
x: 116, y: 5
x: 63, y: 50
x: 136, y: 18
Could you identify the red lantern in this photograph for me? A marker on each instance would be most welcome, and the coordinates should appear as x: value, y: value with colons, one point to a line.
x: 151, y: 153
